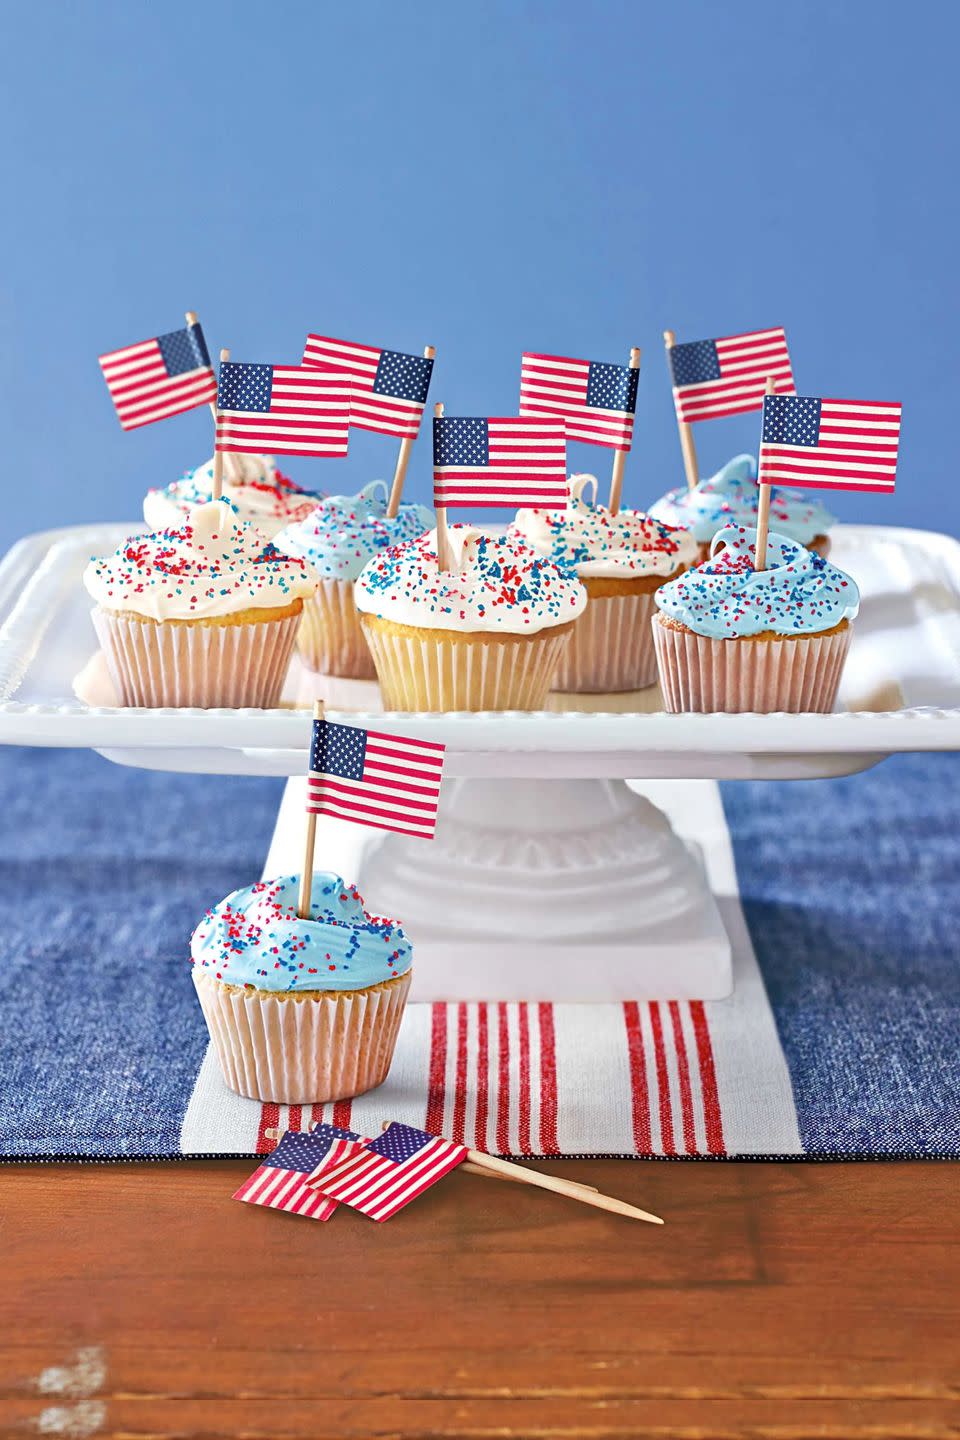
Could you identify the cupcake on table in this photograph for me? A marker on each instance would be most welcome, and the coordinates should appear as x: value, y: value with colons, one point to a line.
x: 732, y: 497
x: 622, y: 558
x: 259, y: 492
x: 205, y: 614
x: 338, y: 538
x: 730, y: 637
x: 485, y: 632
x: 301, y: 1011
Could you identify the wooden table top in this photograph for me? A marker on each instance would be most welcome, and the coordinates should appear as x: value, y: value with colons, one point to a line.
x: 780, y: 1300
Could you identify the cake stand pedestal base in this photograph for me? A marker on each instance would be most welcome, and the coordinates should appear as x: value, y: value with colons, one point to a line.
x: 560, y: 890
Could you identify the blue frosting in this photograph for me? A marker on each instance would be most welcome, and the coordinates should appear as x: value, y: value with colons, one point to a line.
x: 255, y: 938
x: 726, y: 598
x: 345, y: 531
x: 731, y: 497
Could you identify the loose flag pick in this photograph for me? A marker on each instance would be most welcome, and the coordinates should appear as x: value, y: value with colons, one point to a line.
x: 390, y: 782
x: 712, y: 378
x: 389, y: 391
x: 280, y: 1183
x: 597, y: 402
x: 383, y: 1176
x: 827, y: 444
x: 157, y: 378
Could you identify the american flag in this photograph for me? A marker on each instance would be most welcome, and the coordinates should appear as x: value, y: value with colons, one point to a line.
x: 380, y: 1178
x: 280, y: 1183
x: 728, y: 377
x: 596, y: 401
x: 504, y: 460
x: 389, y: 388
x: 390, y: 782
x: 282, y: 410
x: 842, y: 444
x: 160, y: 377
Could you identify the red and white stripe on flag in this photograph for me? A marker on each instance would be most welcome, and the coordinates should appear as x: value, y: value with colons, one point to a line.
x: 553, y: 385
x: 728, y: 376
x: 501, y: 461
x: 383, y: 410
x: 282, y: 1181
x: 282, y: 410
x: 829, y: 444
x: 382, y: 1177
x: 145, y: 386
x: 390, y: 782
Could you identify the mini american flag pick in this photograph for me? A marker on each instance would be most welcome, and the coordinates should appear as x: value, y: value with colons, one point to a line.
x: 596, y: 401
x: 282, y: 410
x: 829, y: 444
x: 389, y: 388
x: 390, y: 782
x: 728, y: 377
x: 391, y: 1171
x: 280, y: 1183
x: 503, y: 460
x: 160, y: 377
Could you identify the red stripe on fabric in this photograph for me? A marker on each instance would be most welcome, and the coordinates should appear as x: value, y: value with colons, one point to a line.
x: 548, y: 1080
x: 708, y: 1079
x: 639, y: 1094
x: 436, y: 1075
x: 295, y: 1120
x: 683, y: 1073
x: 316, y: 1114
x: 483, y: 1076
x: 460, y: 1083
x: 523, y: 1021
x: 663, y: 1081
x: 269, y: 1120
x: 341, y: 1114
x: 503, y: 1080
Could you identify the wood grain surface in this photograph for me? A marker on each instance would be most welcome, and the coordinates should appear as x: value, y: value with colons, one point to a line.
x: 782, y: 1301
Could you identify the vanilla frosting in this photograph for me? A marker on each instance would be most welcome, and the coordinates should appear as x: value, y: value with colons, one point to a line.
x: 343, y: 532
x: 213, y: 564
x: 255, y: 938
x: 725, y: 598
x: 732, y: 497
x: 586, y: 540
x: 498, y: 584
x: 260, y: 492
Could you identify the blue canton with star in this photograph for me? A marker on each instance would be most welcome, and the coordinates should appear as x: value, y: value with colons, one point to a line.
x: 244, y: 387
x: 303, y: 1150
x: 405, y: 377
x: 612, y: 387
x: 400, y: 1142
x: 791, y: 420
x: 338, y: 750
x: 461, y: 442
x: 183, y: 350
x: 695, y: 362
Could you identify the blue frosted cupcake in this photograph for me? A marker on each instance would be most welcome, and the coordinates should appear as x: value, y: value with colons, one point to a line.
x: 730, y: 637
x: 732, y: 497
x: 301, y: 1011
x: 338, y: 538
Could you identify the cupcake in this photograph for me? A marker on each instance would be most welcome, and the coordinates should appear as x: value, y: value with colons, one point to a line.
x: 729, y: 637
x: 621, y: 559
x: 205, y: 614
x: 732, y: 497
x: 260, y: 493
x: 487, y: 635
x: 300, y: 1011
x: 338, y: 538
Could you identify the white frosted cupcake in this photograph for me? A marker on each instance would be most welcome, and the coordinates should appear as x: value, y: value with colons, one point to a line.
x: 337, y: 539
x: 622, y: 560
x: 301, y: 1011
x: 487, y: 635
x: 204, y: 615
x: 261, y: 495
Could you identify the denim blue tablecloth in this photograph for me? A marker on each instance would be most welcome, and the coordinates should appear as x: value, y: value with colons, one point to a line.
x: 851, y: 890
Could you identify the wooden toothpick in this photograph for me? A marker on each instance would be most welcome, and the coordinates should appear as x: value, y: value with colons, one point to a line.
x: 191, y: 319
x: 444, y: 553
x: 403, y: 459
x: 620, y: 456
x: 686, y: 434
x: 763, y: 505
x: 309, y: 840
x: 598, y: 1200
x: 216, y: 492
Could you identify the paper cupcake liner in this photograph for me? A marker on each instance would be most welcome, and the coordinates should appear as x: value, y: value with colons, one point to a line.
x: 822, y: 548
x: 331, y: 639
x: 302, y: 1050
x: 196, y: 665
x: 422, y: 672
x: 611, y: 647
x: 761, y: 676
